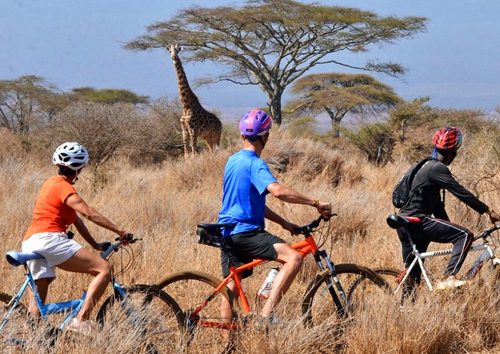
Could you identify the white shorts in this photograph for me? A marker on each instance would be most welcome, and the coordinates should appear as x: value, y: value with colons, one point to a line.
x: 56, y: 247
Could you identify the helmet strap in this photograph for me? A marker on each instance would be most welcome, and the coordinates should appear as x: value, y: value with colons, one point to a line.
x: 434, y: 154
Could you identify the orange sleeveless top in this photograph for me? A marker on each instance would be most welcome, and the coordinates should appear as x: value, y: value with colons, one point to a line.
x: 50, y: 213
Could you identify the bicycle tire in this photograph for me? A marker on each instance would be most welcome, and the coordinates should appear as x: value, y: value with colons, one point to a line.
x: 391, y: 276
x: 320, y: 305
x: 150, y: 317
x: 191, y: 289
x: 19, y: 328
x: 491, y: 277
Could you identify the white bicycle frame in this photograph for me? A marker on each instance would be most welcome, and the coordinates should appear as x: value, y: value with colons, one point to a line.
x: 419, y: 257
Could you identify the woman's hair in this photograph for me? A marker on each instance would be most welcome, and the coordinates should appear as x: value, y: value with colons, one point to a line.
x: 66, y: 171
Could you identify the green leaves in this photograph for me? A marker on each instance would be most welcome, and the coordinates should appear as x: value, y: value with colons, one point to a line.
x: 338, y: 94
x: 272, y: 43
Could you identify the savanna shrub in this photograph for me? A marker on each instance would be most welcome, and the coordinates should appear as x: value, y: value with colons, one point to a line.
x: 375, y: 140
x: 103, y: 129
x: 157, y: 135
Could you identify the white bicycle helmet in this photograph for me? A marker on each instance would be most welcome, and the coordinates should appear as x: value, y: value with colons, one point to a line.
x: 72, y: 155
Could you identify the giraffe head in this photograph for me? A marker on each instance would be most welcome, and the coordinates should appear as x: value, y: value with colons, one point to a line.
x: 174, y: 49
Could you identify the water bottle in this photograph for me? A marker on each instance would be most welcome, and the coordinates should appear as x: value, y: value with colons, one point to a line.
x: 265, y: 289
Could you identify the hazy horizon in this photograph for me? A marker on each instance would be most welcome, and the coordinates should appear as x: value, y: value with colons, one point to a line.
x: 73, y: 43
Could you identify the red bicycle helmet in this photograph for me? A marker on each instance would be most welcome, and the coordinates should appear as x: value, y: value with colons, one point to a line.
x: 448, y: 138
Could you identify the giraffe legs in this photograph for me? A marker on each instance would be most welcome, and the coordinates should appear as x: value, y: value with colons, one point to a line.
x: 211, y: 142
x: 185, y: 136
x: 194, y: 141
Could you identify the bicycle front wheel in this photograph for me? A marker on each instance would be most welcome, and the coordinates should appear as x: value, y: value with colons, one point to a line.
x: 147, y: 317
x: 324, y: 301
x: 207, y: 329
x: 391, y: 275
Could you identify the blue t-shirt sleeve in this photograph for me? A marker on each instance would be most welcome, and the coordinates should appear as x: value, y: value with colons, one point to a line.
x: 261, y: 176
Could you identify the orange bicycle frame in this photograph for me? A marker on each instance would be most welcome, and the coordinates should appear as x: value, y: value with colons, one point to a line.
x: 304, y: 247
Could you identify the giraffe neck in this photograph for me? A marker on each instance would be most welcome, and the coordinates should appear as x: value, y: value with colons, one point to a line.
x: 187, y: 96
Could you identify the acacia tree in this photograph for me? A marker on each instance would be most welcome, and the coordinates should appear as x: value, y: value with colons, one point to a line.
x: 28, y: 100
x: 271, y: 43
x: 108, y: 96
x: 338, y: 94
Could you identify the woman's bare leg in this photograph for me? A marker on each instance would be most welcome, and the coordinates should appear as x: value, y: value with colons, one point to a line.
x: 87, y: 262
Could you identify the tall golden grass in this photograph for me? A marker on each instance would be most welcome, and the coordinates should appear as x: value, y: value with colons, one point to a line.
x: 163, y: 203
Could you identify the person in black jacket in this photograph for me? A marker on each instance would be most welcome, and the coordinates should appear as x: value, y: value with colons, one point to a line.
x: 427, y: 204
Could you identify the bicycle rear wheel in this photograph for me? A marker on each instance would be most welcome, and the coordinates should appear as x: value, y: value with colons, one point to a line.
x: 204, y: 324
x: 323, y: 301
x: 148, y: 319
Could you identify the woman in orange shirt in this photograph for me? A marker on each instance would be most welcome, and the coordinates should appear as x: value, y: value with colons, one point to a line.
x: 56, y: 209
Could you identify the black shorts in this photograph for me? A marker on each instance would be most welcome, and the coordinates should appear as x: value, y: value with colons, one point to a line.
x: 245, y: 247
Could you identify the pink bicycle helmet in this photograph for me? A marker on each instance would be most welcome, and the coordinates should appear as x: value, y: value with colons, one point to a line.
x: 255, y: 123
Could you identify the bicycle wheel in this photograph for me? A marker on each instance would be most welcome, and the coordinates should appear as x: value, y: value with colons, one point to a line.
x: 391, y: 276
x: 323, y: 301
x: 490, y: 276
x: 204, y: 332
x: 17, y: 327
x: 148, y: 319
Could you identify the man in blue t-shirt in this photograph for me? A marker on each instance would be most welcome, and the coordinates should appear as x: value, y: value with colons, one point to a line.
x: 247, y: 181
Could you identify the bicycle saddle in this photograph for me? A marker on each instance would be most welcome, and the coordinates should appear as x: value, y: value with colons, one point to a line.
x: 210, y: 234
x: 16, y: 259
x: 214, y: 228
x: 396, y: 221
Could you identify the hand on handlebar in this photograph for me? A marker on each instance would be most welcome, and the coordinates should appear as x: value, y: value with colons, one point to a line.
x: 325, y: 209
x: 494, y: 218
x: 126, y: 237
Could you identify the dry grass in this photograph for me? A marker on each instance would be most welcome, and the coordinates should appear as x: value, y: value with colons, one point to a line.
x: 163, y: 204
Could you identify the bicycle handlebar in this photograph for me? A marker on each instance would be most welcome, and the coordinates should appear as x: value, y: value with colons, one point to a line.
x: 114, y: 247
x: 309, y: 228
x: 487, y: 232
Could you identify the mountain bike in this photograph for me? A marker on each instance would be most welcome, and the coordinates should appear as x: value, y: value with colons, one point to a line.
x: 325, y: 299
x: 143, y: 310
x: 486, y: 245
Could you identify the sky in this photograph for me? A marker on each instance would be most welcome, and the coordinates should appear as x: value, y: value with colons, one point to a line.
x: 76, y: 43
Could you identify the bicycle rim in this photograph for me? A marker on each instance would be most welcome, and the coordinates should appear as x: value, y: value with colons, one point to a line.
x: 324, y: 303
x: 192, y: 290
x: 148, y: 320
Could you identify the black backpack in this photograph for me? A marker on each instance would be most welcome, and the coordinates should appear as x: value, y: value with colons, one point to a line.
x: 401, y: 194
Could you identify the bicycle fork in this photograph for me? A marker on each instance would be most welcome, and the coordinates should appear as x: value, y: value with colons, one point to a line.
x: 321, y: 257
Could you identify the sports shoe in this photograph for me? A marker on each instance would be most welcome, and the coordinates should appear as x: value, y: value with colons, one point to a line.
x: 449, y: 283
x: 265, y: 323
x: 81, y: 327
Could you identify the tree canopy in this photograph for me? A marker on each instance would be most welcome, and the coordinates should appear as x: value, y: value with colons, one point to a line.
x: 338, y: 94
x: 108, y: 96
x: 271, y: 43
x: 28, y: 100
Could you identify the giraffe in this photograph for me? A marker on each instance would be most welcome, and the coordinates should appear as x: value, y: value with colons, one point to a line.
x: 195, y: 121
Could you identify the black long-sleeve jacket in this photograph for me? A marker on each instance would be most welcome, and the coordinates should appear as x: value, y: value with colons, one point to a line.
x: 426, y: 198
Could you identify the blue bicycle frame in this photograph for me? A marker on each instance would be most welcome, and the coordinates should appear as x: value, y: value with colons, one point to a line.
x: 72, y: 306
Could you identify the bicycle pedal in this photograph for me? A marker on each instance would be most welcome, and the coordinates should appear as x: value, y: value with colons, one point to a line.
x: 245, y: 320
